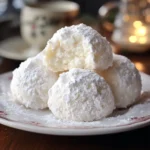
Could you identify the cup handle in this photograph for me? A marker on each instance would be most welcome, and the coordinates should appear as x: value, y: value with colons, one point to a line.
x: 104, y: 11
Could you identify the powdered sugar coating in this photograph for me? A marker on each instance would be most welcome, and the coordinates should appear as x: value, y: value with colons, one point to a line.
x: 31, y: 82
x: 124, y: 80
x: 77, y: 46
x: 81, y: 95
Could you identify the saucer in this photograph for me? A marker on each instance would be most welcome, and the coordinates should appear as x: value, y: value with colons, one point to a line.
x: 16, y: 48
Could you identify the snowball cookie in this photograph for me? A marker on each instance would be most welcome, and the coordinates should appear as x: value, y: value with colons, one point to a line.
x: 81, y: 95
x: 125, y: 81
x: 31, y: 82
x: 77, y: 46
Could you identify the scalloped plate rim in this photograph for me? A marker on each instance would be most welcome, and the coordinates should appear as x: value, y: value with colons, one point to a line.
x: 73, y: 131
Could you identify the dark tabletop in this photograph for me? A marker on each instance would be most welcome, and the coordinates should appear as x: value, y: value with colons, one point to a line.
x: 12, y: 139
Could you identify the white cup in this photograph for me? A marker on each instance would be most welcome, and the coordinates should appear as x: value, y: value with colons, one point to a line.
x: 39, y: 22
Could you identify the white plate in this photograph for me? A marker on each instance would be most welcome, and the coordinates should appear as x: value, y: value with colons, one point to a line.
x: 16, y: 116
x: 16, y: 48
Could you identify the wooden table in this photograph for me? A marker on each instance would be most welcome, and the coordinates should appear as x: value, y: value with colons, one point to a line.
x: 13, y: 139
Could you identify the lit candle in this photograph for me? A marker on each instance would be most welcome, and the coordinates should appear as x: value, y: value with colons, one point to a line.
x: 137, y: 24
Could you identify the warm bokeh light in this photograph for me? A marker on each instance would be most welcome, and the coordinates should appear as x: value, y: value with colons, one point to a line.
x: 132, y: 39
x: 141, y: 31
x: 142, y: 40
x: 137, y: 24
x: 140, y: 66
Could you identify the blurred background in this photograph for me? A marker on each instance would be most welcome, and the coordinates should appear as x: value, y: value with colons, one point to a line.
x: 26, y: 25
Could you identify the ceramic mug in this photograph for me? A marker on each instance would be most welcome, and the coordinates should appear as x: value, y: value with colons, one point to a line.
x: 39, y: 22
